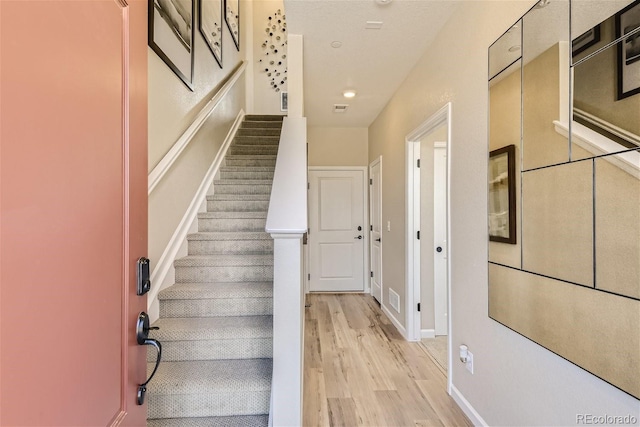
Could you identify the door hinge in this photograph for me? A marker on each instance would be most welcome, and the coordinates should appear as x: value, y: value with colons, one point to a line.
x: 418, y: 235
x: 372, y: 274
x: 308, y: 276
x: 371, y: 228
x: 308, y: 186
x: 370, y: 181
x: 418, y: 165
x: 418, y: 306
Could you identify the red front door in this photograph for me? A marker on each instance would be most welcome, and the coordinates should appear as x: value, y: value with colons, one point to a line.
x: 73, y: 210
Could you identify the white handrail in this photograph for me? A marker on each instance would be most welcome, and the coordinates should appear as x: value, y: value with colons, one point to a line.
x: 158, y: 172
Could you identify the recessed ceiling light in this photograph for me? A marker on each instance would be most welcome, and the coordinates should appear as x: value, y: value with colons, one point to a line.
x: 349, y: 93
x: 336, y: 44
x: 514, y: 48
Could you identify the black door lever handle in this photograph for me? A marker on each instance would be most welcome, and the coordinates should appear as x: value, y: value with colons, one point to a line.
x: 142, y: 336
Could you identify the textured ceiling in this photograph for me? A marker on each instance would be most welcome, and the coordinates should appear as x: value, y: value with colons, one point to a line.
x: 372, y: 62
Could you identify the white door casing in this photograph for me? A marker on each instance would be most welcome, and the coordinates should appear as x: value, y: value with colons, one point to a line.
x: 440, y: 237
x: 336, y: 246
x: 375, y: 221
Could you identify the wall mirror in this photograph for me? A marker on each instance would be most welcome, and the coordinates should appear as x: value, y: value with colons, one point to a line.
x: 565, y: 98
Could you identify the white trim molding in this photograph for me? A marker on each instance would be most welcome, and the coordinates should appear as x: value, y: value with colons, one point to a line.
x: 395, y: 321
x: 163, y: 274
x: 158, y: 172
x: 466, y: 407
x: 427, y: 333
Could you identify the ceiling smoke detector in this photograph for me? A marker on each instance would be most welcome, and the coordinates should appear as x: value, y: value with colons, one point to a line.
x: 340, y: 108
x: 373, y: 25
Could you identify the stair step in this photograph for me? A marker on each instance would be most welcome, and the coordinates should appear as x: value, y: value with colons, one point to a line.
x: 230, y: 242
x: 224, y: 268
x: 217, y: 299
x: 253, y: 149
x: 261, y: 124
x: 237, y: 421
x: 256, y: 140
x: 250, y: 160
x: 261, y: 186
x: 247, y: 174
x: 262, y: 117
x: 210, y: 388
x: 236, y: 205
x: 258, y: 132
x: 231, y: 224
x: 208, y: 338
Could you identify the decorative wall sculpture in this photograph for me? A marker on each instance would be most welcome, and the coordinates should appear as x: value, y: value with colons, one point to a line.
x: 571, y: 283
x: 274, y: 51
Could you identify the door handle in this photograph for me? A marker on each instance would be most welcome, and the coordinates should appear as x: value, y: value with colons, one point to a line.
x: 439, y: 249
x: 379, y: 239
x: 142, y: 336
x: 359, y: 237
x: 359, y: 228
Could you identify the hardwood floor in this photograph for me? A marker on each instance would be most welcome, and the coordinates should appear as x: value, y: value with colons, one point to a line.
x: 359, y: 371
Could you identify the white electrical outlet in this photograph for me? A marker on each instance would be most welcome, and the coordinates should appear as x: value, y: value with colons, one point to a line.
x: 469, y: 363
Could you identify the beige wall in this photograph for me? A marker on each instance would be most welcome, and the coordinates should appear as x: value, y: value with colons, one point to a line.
x: 338, y: 146
x: 172, y: 108
x: 266, y: 100
x: 516, y: 382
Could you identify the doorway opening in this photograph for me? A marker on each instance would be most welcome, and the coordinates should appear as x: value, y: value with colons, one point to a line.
x: 428, y: 309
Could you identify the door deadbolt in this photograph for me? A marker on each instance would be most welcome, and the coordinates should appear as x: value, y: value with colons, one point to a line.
x: 143, y: 281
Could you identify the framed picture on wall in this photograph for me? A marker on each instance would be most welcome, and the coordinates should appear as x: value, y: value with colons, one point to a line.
x: 585, y: 41
x: 502, y: 195
x: 171, y: 35
x: 284, y: 101
x: 628, y: 22
x: 232, y: 16
x: 211, y: 26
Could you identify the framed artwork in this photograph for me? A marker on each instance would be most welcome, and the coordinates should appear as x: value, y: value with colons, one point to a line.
x: 171, y: 35
x: 211, y: 26
x: 585, y: 41
x: 502, y: 195
x: 284, y: 101
x: 232, y: 16
x: 628, y: 22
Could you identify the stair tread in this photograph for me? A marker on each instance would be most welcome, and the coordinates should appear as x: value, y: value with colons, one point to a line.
x: 247, y: 169
x: 233, y: 215
x: 229, y: 235
x: 235, y: 197
x: 222, y: 290
x: 223, y: 260
x: 263, y: 117
x: 242, y: 181
x: 213, y: 328
x: 210, y: 376
x: 230, y: 421
x: 250, y: 156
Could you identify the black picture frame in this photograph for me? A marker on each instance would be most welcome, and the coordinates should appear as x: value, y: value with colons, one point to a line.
x: 585, y: 41
x: 502, y: 195
x: 232, y: 17
x: 171, y: 35
x: 210, y: 15
x: 628, y: 61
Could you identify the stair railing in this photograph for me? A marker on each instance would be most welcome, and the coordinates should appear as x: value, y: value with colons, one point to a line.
x: 287, y: 224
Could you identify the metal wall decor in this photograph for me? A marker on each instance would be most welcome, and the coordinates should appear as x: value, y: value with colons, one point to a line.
x: 211, y: 26
x: 274, y: 48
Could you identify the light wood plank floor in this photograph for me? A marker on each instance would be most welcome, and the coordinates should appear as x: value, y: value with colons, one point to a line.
x: 359, y: 371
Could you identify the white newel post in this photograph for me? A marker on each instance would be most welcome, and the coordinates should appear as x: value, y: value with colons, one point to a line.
x: 288, y: 330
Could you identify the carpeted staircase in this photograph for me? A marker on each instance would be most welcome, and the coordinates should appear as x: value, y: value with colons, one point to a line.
x: 215, y: 322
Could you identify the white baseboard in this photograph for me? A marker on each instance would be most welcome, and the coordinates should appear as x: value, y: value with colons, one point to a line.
x: 395, y: 321
x: 428, y: 333
x: 466, y: 407
x: 163, y: 274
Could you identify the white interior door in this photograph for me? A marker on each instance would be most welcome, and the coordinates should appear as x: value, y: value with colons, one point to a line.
x: 337, y: 230
x: 440, y: 238
x: 375, y: 219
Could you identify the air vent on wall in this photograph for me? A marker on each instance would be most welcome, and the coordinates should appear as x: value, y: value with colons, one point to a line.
x: 340, y: 108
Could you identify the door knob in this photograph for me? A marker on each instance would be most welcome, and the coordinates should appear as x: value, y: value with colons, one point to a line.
x: 439, y: 249
x: 359, y: 228
x: 379, y: 239
x: 359, y: 237
x: 142, y: 336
